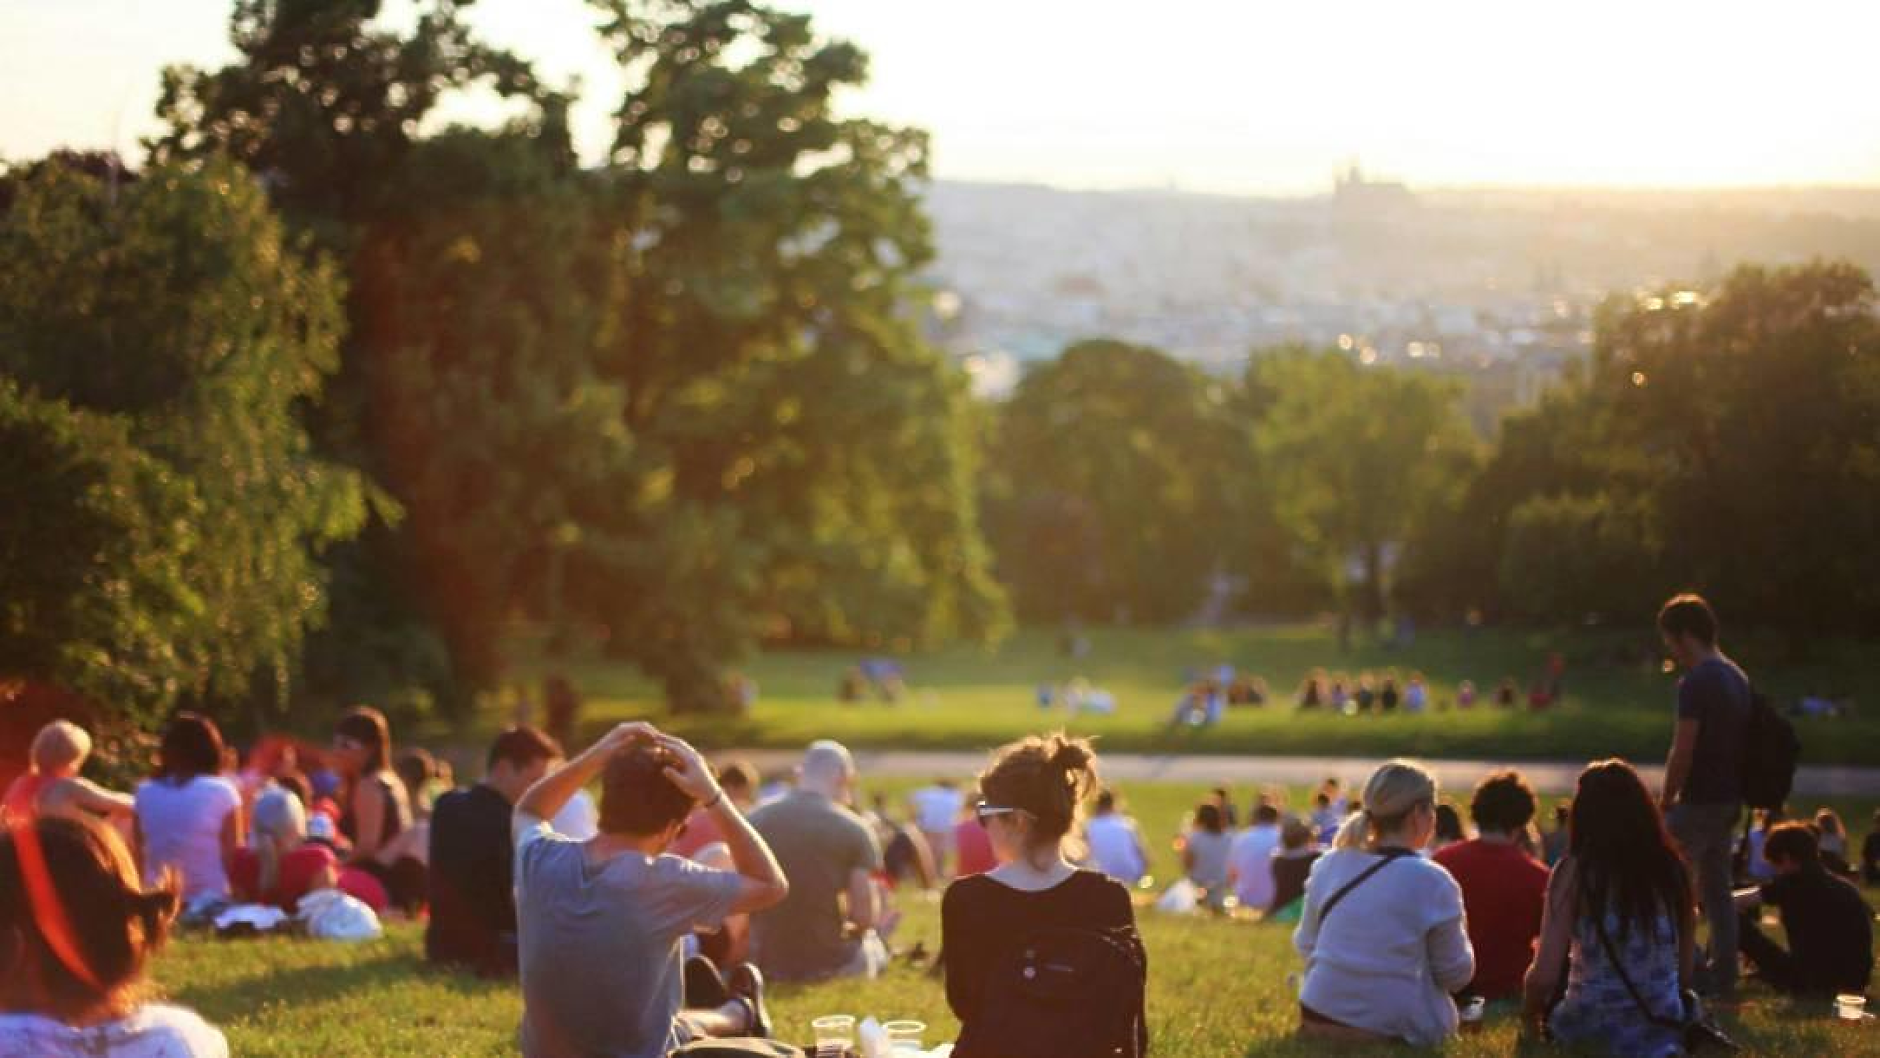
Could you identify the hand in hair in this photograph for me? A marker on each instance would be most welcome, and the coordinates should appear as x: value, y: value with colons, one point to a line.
x: 688, y: 771
x: 626, y: 735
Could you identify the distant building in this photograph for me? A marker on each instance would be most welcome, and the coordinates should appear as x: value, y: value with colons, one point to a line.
x: 1355, y: 195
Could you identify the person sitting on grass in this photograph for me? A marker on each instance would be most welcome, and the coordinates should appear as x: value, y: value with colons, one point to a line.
x: 80, y: 931
x: 1028, y: 802
x: 1292, y: 865
x: 1114, y: 842
x: 827, y: 926
x: 189, y: 818
x: 1382, y: 928
x: 1205, y: 848
x: 52, y: 785
x: 374, y: 810
x: 1504, y: 889
x: 1832, y: 838
x: 600, y: 922
x: 1621, y: 920
x: 1448, y: 827
x: 282, y: 866
x: 1250, y: 858
x: 1828, y: 924
x: 471, y: 877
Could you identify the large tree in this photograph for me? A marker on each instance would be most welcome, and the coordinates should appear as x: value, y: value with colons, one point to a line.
x: 1113, y: 486
x: 176, y: 307
x: 807, y: 465
x: 1354, y: 459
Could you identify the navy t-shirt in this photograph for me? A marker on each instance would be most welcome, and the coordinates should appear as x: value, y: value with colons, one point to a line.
x: 1715, y: 693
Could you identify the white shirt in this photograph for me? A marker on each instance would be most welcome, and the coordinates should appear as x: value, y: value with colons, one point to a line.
x: 1251, y: 860
x: 937, y: 807
x: 155, y: 1030
x: 1115, y: 848
x: 578, y: 819
x: 182, y: 828
x: 1392, y: 951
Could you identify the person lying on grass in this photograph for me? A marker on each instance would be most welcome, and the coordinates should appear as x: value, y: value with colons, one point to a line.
x: 600, y: 921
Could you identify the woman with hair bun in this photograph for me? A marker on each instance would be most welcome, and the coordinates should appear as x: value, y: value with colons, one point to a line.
x: 991, y: 924
x: 80, y: 931
x: 1382, y: 931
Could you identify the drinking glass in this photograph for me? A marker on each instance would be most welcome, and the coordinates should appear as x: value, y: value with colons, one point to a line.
x: 1850, y: 1007
x: 904, y: 1037
x: 835, y: 1035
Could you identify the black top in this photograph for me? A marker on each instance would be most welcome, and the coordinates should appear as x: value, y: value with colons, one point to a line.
x: 1870, y: 858
x: 473, y: 904
x: 393, y: 817
x: 1829, y: 926
x: 983, y: 921
x: 1289, y: 878
x: 1715, y: 693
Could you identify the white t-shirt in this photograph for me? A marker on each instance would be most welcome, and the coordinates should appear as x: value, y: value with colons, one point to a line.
x: 1251, y: 860
x: 578, y: 819
x: 1393, y: 949
x: 182, y: 828
x: 937, y: 808
x: 1115, y: 847
x: 155, y: 1030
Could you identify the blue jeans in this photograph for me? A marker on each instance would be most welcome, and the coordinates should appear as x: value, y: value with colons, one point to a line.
x: 1706, y: 831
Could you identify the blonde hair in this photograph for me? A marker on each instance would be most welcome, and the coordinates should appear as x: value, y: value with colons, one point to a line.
x: 280, y: 826
x: 1395, y: 790
x: 60, y: 744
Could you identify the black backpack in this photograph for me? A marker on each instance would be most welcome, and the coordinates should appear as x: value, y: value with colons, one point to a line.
x: 1770, y: 752
x: 1067, y: 993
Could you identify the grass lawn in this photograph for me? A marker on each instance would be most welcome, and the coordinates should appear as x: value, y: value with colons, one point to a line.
x: 1216, y: 988
x: 970, y: 698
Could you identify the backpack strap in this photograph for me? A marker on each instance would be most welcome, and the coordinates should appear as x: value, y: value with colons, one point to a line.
x: 1618, y: 966
x: 1385, y: 856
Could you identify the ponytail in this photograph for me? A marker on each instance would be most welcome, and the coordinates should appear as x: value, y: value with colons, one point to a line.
x: 1048, y: 779
x: 1394, y: 791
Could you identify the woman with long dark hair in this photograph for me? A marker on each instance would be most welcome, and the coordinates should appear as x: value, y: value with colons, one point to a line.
x: 189, y: 818
x: 1621, y: 918
x: 374, y: 811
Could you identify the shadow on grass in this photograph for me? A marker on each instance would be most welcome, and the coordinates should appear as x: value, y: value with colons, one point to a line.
x: 318, y: 981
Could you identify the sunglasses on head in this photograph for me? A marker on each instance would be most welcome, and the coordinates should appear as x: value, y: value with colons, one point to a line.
x: 985, y: 812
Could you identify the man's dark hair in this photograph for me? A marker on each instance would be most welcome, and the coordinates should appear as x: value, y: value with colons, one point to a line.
x: 1503, y: 802
x: 1794, y: 842
x: 1106, y: 800
x: 738, y: 775
x: 1690, y: 615
x: 1266, y: 813
x: 636, y: 796
x: 522, y: 745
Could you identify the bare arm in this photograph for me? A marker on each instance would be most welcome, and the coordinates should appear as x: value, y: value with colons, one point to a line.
x: 368, y: 812
x: 764, y: 884
x: 1678, y: 764
x: 863, y: 910
x: 86, y: 796
x: 553, y: 790
x: 231, y: 836
x: 1543, y: 977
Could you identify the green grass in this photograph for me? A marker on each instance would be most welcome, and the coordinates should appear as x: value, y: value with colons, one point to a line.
x: 971, y: 698
x: 1216, y: 988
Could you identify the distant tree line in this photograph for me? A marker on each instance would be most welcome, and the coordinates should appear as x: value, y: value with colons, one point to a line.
x: 325, y: 404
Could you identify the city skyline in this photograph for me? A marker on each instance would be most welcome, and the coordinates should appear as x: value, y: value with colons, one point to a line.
x: 1211, y: 97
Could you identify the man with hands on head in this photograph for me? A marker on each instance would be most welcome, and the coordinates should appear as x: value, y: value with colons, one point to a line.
x: 600, y: 921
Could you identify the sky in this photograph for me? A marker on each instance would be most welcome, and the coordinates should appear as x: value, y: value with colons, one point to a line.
x: 1228, y: 96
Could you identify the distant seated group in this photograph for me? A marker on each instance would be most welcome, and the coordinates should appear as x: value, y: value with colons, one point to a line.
x: 657, y: 918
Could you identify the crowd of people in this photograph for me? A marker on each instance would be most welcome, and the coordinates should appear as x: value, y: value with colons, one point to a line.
x: 658, y: 915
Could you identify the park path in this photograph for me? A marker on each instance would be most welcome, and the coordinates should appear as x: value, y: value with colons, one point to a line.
x: 1811, y: 780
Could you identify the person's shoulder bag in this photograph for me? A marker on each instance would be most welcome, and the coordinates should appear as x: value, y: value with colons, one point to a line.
x: 1696, y: 1030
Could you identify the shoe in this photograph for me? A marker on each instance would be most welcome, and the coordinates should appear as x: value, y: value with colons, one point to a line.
x: 746, y: 984
x: 704, y: 988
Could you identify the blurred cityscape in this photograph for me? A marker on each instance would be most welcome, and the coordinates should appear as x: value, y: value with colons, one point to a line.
x: 1498, y: 285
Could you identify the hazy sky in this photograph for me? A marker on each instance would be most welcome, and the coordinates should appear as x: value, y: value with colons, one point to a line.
x: 1263, y: 96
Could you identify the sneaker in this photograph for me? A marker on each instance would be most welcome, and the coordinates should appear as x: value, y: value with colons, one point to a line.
x: 746, y: 984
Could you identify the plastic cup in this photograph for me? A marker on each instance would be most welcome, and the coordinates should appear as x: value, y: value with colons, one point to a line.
x: 1850, y: 1007
x: 904, y: 1037
x: 1471, y: 1013
x: 835, y: 1035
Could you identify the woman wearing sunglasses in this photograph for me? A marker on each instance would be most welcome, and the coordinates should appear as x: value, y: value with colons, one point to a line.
x: 1041, y: 957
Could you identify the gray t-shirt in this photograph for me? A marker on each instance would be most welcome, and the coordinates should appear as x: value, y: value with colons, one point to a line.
x: 819, y: 844
x: 599, y: 944
x: 1715, y: 693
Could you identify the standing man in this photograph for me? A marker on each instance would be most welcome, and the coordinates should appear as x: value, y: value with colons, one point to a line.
x: 1703, y: 791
